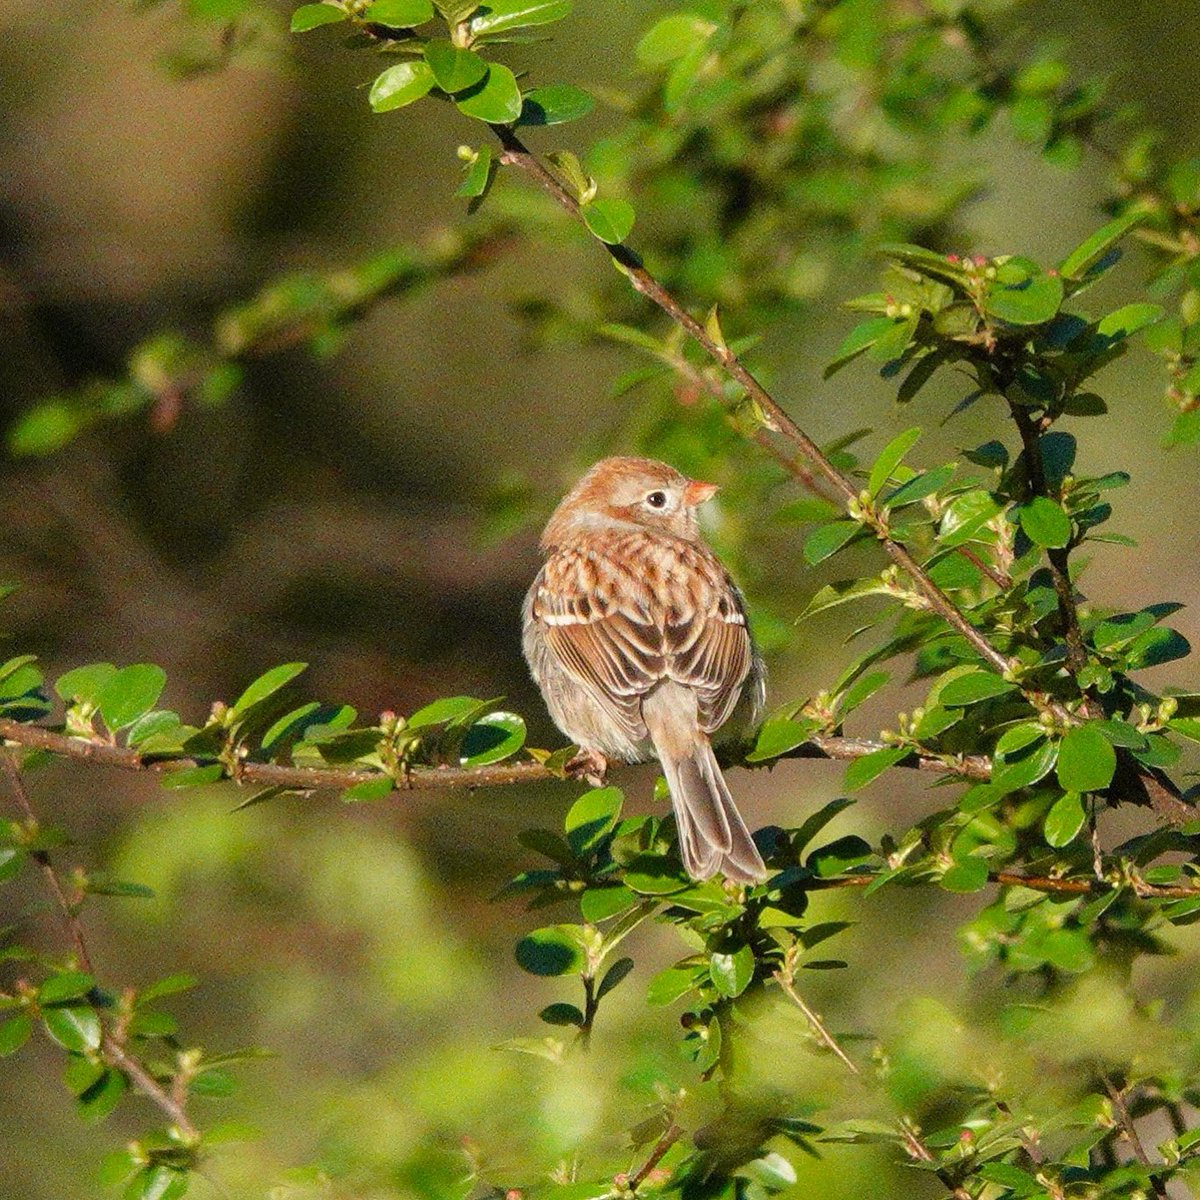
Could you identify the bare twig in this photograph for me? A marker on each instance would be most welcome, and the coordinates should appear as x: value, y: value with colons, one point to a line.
x: 824, y: 1036
x: 670, y: 1136
x: 1131, y: 1135
x: 112, y: 1049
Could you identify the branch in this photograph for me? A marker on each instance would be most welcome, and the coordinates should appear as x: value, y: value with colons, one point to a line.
x: 1129, y: 1129
x: 111, y: 1048
x: 670, y: 1136
x: 310, y: 779
x: 1050, y: 884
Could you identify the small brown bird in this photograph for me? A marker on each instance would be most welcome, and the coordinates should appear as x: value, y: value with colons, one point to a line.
x: 637, y: 638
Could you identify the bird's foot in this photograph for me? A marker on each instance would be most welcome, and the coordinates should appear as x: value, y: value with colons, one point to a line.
x: 588, y: 765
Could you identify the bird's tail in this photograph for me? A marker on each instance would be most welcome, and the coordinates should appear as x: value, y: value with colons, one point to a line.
x: 712, y: 835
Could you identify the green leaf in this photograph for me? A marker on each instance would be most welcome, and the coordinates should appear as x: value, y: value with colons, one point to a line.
x: 312, y: 16
x: 1045, y: 523
x: 102, y: 1097
x: 973, y: 688
x: 74, y: 1027
x: 1155, y: 647
x: 479, y: 175
x: 500, y: 16
x: 920, y: 486
x: 842, y: 592
x: 157, y: 1183
x: 83, y: 684
x: 157, y: 723
x: 1023, y: 755
x: 453, y: 68
x: 890, y: 458
x: 493, y: 738
x: 1065, y: 819
x: 827, y: 540
x: 668, y: 986
x: 193, y: 776
x: 399, y: 85
x: 671, y: 38
x: 731, y: 970
x: 860, y: 339
x: 169, y: 985
x: 966, y: 875
x: 1086, y: 760
x: 772, y: 1172
x: 1124, y: 322
x: 43, y: 429
x: 779, y: 735
x: 130, y: 693
x: 613, y: 976
x: 1032, y: 301
x: 496, y: 99
x: 14, y: 1033
x: 967, y: 517
x: 592, y: 816
x: 599, y: 903
x: 610, y: 219
x: 449, y: 709
x: 555, y: 104
x: 399, y: 14
x: 265, y: 686
x: 654, y: 875
x: 1095, y: 247
x: 863, y: 770
x: 66, y: 985
x: 839, y: 856
x: 554, y: 950
x: 561, y: 1014
x: 369, y: 789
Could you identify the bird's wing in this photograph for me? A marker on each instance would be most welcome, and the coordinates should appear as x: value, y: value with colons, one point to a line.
x: 711, y: 651
x: 598, y: 621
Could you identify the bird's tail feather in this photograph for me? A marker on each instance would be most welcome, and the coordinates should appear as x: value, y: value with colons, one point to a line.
x: 712, y: 835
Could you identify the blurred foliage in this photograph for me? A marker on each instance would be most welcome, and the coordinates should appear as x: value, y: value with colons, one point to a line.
x: 761, y: 152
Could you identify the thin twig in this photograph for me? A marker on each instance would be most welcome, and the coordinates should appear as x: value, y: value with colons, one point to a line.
x: 913, y: 1145
x: 814, y: 1020
x: 1129, y: 1129
x: 111, y: 1048
x: 670, y: 1136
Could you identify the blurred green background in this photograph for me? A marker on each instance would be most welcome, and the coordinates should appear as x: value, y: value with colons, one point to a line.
x: 329, y: 513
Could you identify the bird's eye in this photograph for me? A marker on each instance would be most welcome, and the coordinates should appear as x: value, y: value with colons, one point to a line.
x: 657, y: 499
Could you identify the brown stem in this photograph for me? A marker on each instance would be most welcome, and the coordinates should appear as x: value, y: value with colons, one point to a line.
x: 307, y: 779
x: 1049, y: 884
x: 814, y: 1020
x: 1129, y: 1129
x: 111, y: 1048
x: 670, y: 1136
x: 773, y: 417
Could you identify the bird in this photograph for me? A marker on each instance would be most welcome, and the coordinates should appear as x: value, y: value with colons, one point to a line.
x: 637, y: 638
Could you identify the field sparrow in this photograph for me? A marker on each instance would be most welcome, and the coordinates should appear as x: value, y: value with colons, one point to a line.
x: 637, y: 638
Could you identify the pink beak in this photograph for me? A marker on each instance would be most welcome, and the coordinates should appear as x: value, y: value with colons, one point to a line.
x: 696, y: 492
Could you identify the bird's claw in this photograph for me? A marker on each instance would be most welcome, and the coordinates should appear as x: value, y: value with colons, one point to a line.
x: 588, y: 765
